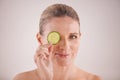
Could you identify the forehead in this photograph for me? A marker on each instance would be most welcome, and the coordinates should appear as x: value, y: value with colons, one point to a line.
x: 64, y: 25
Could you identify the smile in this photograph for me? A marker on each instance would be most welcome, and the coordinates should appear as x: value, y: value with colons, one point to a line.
x: 62, y: 55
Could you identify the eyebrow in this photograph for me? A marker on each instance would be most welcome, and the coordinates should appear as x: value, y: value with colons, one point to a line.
x: 75, y: 33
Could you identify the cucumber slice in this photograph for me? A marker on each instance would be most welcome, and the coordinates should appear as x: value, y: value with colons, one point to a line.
x: 53, y: 37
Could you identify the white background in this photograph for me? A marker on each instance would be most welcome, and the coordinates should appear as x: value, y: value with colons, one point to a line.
x: 100, y: 42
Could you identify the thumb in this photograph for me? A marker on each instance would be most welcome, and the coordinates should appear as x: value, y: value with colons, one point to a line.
x: 50, y: 49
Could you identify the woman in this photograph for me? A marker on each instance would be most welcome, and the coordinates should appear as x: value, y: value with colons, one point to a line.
x: 56, y: 61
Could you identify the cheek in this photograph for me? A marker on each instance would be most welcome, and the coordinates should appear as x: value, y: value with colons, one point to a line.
x: 75, y: 47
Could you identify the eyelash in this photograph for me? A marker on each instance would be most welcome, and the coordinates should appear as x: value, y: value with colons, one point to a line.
x: 73, y: 37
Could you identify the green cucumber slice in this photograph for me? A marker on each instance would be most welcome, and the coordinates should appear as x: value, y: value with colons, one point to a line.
x: 53, y: 37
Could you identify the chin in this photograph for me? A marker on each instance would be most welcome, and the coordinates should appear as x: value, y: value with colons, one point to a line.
x: 64, y: 64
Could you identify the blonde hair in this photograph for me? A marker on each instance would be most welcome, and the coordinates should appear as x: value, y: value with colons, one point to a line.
x: 56, y: 10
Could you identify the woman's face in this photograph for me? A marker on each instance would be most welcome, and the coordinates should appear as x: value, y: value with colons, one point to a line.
x: 65, y: 51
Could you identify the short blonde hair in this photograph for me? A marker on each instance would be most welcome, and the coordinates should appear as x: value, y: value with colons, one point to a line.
x: 56, y: 10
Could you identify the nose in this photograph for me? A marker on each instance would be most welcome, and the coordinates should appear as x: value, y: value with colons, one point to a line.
x: 64, y: 45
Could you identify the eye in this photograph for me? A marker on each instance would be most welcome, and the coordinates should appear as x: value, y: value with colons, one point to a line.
x: 73, y: 37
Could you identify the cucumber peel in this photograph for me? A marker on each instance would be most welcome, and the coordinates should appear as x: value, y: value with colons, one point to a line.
x: 53, y: 37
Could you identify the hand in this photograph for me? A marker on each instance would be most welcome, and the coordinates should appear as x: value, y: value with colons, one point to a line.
x: 43, y: 60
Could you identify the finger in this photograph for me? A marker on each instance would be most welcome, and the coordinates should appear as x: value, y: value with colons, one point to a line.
x: 37, y: 59
x: 38, y: 62
x: 51, y: 50
x: 42, y: 50
x: 47, y: 46
x: 47, y: 49
x: 40, y: 55
x: 41, y: 62
x: 43, y: 53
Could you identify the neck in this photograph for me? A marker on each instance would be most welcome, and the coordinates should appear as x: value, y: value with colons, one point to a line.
x: 64, y: 72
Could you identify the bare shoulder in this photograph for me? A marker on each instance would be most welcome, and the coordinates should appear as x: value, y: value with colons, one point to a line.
x: 29, y: 75
x: 83, y: 75
x: 94, y: 77
x: 20, y: 76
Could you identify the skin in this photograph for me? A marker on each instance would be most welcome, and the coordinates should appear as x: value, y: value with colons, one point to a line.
x: 56, y: 62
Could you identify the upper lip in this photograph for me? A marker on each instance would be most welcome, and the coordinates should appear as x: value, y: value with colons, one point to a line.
x: 62, y: 54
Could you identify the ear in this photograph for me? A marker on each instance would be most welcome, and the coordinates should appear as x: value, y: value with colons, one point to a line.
x: 39, y: 39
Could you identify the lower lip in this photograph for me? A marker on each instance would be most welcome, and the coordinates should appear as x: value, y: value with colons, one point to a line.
x: 62, y: 56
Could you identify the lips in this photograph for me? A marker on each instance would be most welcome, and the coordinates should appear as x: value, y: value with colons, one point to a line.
x: 62, y: 55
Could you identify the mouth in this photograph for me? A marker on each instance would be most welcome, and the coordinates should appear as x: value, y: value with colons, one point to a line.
x: 62, y: 55
x: 63, y: 59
